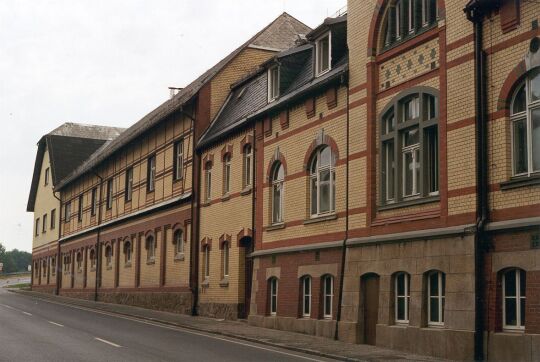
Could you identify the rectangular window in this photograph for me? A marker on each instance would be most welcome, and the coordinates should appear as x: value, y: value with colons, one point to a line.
x: 80, y: 212
x: 129, y: 184
x: 179, y: 160
x: 389, y: 169
x: 47, y: 171
x: 207, y: 263
x: 36, y: 231
x: 44, y: 225
x: 411, y: 16
x: 109, y: 193
x: 248, y: 157
x: 273, y: 296
x: 432, y: 159
x: 328, y: 295
x: 514, y: 298
x: 402, y: 297
x: 67, y: 212
x: 411, y: 162
x: 208, y: 184
x: 411, y: 109
x: 93, y: 207
x: 398, y: 13
x: 226, y: 260
x: 151, y: 174
x: 436, y: 296
x: 227, y: 175
x: 53, y: 219
x: 273, y: 83
x: 323, y: 59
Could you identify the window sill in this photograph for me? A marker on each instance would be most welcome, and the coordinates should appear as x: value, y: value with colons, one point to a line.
x: 246, y: 190
x: 179, y: 257
x: 518, y: 182
x: 127, y: 265
x: 323, y: 218
x: 109, y: 268
x: 150, y: 262
x: 224, y: 283
x: 92, y: 269
x: 178, y: 180
x: 406, y: 203
x: 277, y: 226
x: 206, y: 203
x: 225, y: 197
x: 205, y: 283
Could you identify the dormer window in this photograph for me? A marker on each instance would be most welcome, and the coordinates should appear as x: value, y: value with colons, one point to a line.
x: 273, y: 83
x: 323, y: 54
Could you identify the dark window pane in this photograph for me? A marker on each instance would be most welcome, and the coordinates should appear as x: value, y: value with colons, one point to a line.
x: 408, y: 170
x: 510, y: 310
x: 434, y: 284
x: 401, y: 284
x: 432, y: 157
x: 510, y: 283
x: 520, y: 101
x: 313, y: 195
x: 520, y: 146
x: 522, y: 312
x: 410, y: 137
x: 522, y: 285
x: 434, y: 310
x: 401, y: 308
x: 535, y: 139
x: 535, y: 88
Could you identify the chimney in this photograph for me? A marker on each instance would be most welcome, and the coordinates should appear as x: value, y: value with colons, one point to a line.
x: 174, y: 91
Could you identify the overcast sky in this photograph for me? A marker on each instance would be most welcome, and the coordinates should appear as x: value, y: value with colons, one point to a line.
x: 107, y: 62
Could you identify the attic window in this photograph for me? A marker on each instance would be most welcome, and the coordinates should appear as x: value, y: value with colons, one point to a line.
x: 46, y: 176
x: 273, y: 83
x: 323, y: 58
x: 241, y: 93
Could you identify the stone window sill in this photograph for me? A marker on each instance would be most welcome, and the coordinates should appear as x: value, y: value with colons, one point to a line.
x: 246, y: 190
x: 278, y: 226
x: 128, y: 265
x: 109, y: 267
x: 179, y: 257
x: 224, y: 283
x: 518, y: 182
x: 206, y: 203
x: 225, y: 197
x: 150, y: 262
x: 205, y: 283
x: 317, y: 219
x: 406, y: 203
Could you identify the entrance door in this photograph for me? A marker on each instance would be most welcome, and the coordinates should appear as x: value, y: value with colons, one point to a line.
x: 370, y: 295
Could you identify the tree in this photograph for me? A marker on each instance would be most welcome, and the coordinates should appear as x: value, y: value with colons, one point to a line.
x: 15, y: 260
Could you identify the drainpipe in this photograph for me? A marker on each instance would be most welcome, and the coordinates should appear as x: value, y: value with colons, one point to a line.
x: 476, y: 16
x: 253, y: 223
x: 57, y: 263
x: 98, y: 244
x: 344, y: 246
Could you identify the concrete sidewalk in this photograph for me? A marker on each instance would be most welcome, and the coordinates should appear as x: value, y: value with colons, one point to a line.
x: 240, y: 329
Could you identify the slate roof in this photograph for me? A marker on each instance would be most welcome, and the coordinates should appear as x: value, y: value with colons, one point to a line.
x: 279, y: 35
x: 69, y: 146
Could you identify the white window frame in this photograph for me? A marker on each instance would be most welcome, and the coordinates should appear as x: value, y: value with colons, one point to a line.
x: 527, y: 115
x: 278, y: 183
x: 227, y: 174
x: 225, y: 260
x: 179, y: 154
x: 399, y: 9
x: 208, y: 183
x: 316, y: 175
x: 328, y: 296
x: 406, y: 296
x: 413, y: 150
x: 273, y: 296
x: 248, y: 165
x: 440, y: 297
x: 318, y: 55
x: 273, y: 83
x: 410, y: 14
x: 306, y: 282
x: 520, y: 326
x: 179, y: 240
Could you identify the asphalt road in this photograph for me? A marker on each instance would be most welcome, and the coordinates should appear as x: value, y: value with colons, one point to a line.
x: 37, y: 330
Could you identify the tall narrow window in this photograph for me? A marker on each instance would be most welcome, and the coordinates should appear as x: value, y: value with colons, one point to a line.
x: 129, y: 184
x: 127, y: 253
x: 80, y: 211
x: 278, y: 178
x: 273, y: 295
x: 206, y: 263
x: 322, y: 182
x: 151, y: 174
x: 525, y: 115
x: 411, y: 162
x: 227, y: 174
x: 108, y: 256
x: 109, y: 193
x: 410, y: 16
x: 53, y: 266
x: 208, y: 182
x: 323, y: 60
x: 92, y: 259
x: 273, y: 83
x: 514, y: 289
x: 47, y: 171
x: 407, y: 18
x: 53, y: 219
x: 79, y: 262
x: 178, y: 242
x: 67, y: 211
x: 399, y: 13
x: 179, y: 160
x: 306, y: 296
x: 36, y: 229
x: 93, y: 207
x: 402, y: 285
x: 44, y: 226
x: 150, y: 248
x: 248, y: 161
x: 436, y: 294
x: 328, y: 295
x: 225, y: 261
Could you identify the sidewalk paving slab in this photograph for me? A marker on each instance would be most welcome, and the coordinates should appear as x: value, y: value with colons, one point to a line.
x: 298, y: 342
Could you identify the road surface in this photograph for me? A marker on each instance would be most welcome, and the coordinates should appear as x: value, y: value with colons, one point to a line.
x: 38, y: 330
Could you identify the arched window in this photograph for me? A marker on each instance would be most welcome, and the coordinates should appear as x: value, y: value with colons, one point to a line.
x: 53, y: 266
x: 277, y: 179
x: 273, y: 295
x: 225, y: 259
x: 92, y: 259
x: 227, y: 174
x: 328, y: 295
x: 306, y: 296
x: 322, y: 182
x: 44, y: 266
x: 108, y: 256
x: 525, y: 111
x: 150, y: 248
x: 406, y: 18
x: 513, y: 292
x: 248, y: 165
x: 208, y: 182
x: 402, y: 293
x: 436, y: 285
x: 178, y: 240
x: 127, y: 252
x: 410, y: 148
x: 79, y: 261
